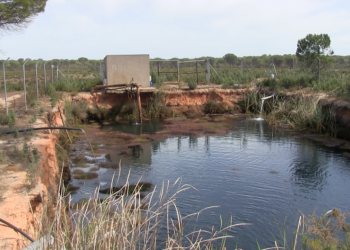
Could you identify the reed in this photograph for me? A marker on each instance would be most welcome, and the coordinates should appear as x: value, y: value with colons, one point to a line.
x: 124, y: 220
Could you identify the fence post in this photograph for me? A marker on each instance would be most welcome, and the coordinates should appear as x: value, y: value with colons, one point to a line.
x: 3, y: 72
x: 45, y: 74
x: 24, y: 83
x: 197, y: 72
x: 36, y: 76
x: 52, y: 72
x: 178, y: 73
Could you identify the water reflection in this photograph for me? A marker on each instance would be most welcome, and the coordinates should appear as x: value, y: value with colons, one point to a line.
x: 255, y: 174
x: 147, y: 127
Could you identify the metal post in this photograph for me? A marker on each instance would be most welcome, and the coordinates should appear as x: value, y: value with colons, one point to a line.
x: 24, y: 83
x: 3, y: 72
x: 197, y: 72
x: 293, y: 63
x: 52, y: 72
x: 45, y: 74
x: 178, y: 73
x: 36, y: 76
x: 319, y: 62
x: 158, y: 68
x: 57, y: 73
x: 207, y: 70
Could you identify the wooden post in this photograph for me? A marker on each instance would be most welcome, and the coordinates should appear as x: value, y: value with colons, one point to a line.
x: 139, y: 103
x: 197, y: 71
x: 158, y: 68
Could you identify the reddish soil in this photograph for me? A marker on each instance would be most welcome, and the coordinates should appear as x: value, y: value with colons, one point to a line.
x: 26, y: 209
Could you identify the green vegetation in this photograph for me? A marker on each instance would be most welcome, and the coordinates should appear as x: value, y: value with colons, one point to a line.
x: 9, y: 119
x: 314, y: 48
x: 304, y: 113
x: 27, y: 159
x: 17, y: 14
x: 328, y: 232
x: 214, y: 108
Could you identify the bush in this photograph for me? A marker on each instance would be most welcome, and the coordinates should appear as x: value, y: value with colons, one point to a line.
x: 192, y: 85
x: 9, y: 119
x: 214, y: 108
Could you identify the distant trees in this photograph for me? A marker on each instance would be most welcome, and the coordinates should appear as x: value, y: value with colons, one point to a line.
x: 312, y: 47
x: 16, y: 14
x: 230, y: 58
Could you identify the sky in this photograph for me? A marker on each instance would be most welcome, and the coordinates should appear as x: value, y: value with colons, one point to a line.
x: 69, y: 29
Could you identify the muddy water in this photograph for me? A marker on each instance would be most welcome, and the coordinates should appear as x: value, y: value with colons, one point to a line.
x: 254, y: 173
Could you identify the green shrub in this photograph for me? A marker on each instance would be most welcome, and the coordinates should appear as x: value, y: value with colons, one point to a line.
x: 214, y: 108
x: 9, y: 119
x: 192, y: 85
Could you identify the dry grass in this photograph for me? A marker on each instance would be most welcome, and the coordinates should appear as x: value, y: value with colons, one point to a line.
x: 304, y: 112
x: 128, y: 221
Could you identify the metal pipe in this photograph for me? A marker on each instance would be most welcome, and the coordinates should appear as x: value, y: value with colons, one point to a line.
x: 44, y: 128
x: 45, y: 74
x: 24, y: 82
x: 17, y: 229
x: 36, y: 76
x: 3, y: 72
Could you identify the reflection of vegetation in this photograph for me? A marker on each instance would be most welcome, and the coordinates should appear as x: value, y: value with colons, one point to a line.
x: 307, y: 172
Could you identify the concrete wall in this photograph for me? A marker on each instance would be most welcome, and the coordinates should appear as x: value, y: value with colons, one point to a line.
x: 122, y: 68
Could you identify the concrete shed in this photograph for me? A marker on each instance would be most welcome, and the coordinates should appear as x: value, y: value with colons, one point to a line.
x: 120, y: 69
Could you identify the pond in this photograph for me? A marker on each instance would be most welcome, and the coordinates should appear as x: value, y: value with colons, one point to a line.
x: 255, y: 174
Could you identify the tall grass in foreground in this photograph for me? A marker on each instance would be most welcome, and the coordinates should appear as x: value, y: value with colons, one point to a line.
x: 128, y: 221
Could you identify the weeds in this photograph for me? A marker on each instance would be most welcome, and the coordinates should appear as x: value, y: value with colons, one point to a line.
x: 327, y: 232
x: 9, y: 119
x: 214, y: 108
x: 124, y: 220
x: 156, y: 106
x: 304, y: 112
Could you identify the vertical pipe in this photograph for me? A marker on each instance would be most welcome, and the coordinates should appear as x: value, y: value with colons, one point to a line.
x: 57, y: 73
x: 293, y: 63
x: 3, y: 72
x: 139, y: 103
x: 45, y: 74
x: 197, y: 72
x: 24, y: 83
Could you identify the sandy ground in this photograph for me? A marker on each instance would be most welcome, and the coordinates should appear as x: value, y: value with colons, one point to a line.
x: 16, y: 201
